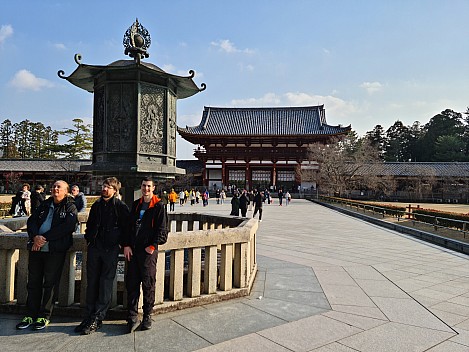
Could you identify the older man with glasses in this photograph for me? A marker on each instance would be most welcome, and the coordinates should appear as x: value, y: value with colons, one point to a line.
x: 106, y: 228
x: 50, y: 230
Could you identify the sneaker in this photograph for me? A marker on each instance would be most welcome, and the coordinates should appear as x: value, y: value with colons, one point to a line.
x: 146, y: 322
x: 133, y: 325
x: 92, y: 326
x: 82, y: 325
x: 40, y: 323
x: 25, y: 323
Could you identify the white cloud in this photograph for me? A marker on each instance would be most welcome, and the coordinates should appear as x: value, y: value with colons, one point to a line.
x: 228, y: 47
x: 326, y: 51
x: 333, y: 105
x: 371, y: 87
x: 5, y: 32
x: 25, y: 80
x: 60, y: 46
x: 268, y: 99
x: 245, y: 68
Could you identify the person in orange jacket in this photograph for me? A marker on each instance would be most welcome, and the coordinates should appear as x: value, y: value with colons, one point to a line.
x: 173, y: 197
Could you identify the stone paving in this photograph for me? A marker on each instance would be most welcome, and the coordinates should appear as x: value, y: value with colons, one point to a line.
x: 326, y: 282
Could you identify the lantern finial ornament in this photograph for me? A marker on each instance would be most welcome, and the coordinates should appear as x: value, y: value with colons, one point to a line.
x: 136, y: 41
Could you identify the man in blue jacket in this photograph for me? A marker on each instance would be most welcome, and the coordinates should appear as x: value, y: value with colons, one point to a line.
x: 50, y: 230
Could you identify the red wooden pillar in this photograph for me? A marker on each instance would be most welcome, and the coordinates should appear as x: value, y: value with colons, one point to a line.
x: 204, y: 174
x: 223, y: 174
x: 274, y: 174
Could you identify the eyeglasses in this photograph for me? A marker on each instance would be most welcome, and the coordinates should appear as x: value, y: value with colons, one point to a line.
x: 106, y: 186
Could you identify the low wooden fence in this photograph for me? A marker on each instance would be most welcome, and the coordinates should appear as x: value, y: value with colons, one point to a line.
x: 211, y: 258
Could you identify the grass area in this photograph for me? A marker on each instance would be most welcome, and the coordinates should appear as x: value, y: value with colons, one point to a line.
x: 455, y: 234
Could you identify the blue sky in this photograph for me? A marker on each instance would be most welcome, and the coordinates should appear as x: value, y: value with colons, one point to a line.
x: 368, y: 62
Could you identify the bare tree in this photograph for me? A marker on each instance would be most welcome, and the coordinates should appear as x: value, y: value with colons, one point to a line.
x: 341, y: 168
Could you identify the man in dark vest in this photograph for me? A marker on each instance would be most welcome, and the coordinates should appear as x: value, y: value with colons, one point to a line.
x: 106, y: 228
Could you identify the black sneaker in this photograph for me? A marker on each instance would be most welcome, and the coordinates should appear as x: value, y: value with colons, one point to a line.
x: 133, y: 325
x: 40, y: 323
x: 146, y: 323
x: 25, y: 323
x: 82, y: 325
x: 92, y: 326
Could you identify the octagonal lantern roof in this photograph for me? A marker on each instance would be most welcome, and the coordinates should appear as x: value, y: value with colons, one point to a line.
x: 84, y: 75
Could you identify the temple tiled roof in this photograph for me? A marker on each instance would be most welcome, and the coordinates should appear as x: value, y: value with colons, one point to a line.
x: 286, y: 121
x: 416, y: 169
x: 42, y: 165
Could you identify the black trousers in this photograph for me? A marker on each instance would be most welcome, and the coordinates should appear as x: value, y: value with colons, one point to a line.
x: 44, y: 271
x: 257, y: 209
x: 243, y: 212
x: 171, y: 206
x: 101, y: 269
x: 141, y: 270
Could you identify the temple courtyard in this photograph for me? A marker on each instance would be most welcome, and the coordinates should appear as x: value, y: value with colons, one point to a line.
x: 326, y: 282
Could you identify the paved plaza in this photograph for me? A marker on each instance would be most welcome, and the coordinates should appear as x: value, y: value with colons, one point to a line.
x: 326, y: 282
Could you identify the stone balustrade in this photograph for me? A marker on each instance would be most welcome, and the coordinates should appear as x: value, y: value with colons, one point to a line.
x: 211, y: 258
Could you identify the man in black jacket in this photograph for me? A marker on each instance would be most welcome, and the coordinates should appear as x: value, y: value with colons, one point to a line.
x: 50, y: 230
x: 148, y: 230
x: 105, y: 229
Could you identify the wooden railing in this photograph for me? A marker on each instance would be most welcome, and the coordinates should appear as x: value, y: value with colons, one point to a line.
x: 211, y: 258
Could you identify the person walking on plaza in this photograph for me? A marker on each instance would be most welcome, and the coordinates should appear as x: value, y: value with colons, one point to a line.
x: 217, y: 195
x: 27, y: 198
x: 222, y: 196
x: 192, y: 196
x: 165, y: 200
x: 50, y: 230
x: 80, y: 199
x: 148, y: 230
x: 243, y: 203
x: 205, y: 198
x: 173, y: 197
x: 106, y: 228
x: 280, y: 196
x: 182, y: 195
x: 235, y: 205
x: 287, y: 198
x: 37, y: 197
x: 258, y: 201
x: 251, y: 200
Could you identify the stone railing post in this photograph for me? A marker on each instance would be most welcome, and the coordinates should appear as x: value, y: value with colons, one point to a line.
x: 240, y: 265
x: 84, y: 278
x: 7, y: 275
x: 210, y: 269
x: 22, y: 266
x: 67, y: 281
x: 226, y: 267
x: 176, y: 274
x: 160, y: 274
x: 194, y: 272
